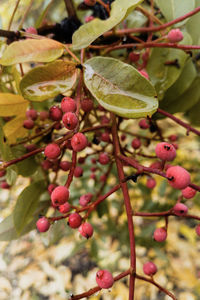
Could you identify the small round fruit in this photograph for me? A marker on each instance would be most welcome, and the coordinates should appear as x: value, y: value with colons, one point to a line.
x: 136, y: 143
x: 60, y: 195
x: 4, y: 185
x: 178, y: 177
x: 79, y: 142
x: 52, y: 151
x: 55, y: 113
x: 104, y: 158
x: 149, y: 268
x: 188, y: 192
x: 144, y: 124
x: 44, y: 115
x: 74, y: 220
x: 104, y: 279
x: 105, y: 137
x: 68, y: 105
x: 70, y: 120
x: 175, y: 36
x: 157, y: 165
x: 85, y: 199
x: 151, y: 183
x: 64, y: 208
x: 2, y: 173
x: 197, y: 229
x: 43, y: 224
x: 87, y: 105
x: 86, y: 230
x: 47, y: 164
x: 28, y: 124
x: 78, y: 172
x: 165, y: 151
x: 160, y: 234
x: 31, y: 30
x: 31, y: 114
x: 65, y: 165
x: 134, y: 57
x: 51, y: 187
x: 180, y: 209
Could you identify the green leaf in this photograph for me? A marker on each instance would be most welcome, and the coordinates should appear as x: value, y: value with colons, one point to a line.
x: 26, y: 205
x: 12, y: 105
x: 14, y: 128
x: 163, y: 76
x: 193, y: 26
x: 172, y: 9
x: 30, y: 50
x: 89, y: 32
x: 193, y: 114
x: 119, y: 87
x: 11, y: 175
x: 48, y: 81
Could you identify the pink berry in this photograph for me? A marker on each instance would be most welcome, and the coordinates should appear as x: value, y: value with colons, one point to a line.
x: 60, y: 195
x: 105, y: 137
x: 178, y: 177
x: 173, y: 138
x: 149, y: 268
x: 42, y: 224
x: 198, y: 229
x: 65, y: 165
x: 89, y: 19
x: 44, y: 115
x: 104, y: 279
x: 104, y: 158
x: 151, y: 183
x: 160, y: 234
x: 165, y: 151
x: 64, y: 208
x: 134, y: 57
x: 136, y: 143
x: 144, y: 124
x: 180, y: 209
x: 175, y: 36
x: 78, y: 172
x: 188, y: 192
x: 2, y: 173
x: 31, y: 30
x: 47, y: 164
x: 31, y: 114
x: 85, y: 199
x: 75, y: 220
x: 28, y: 124
x: 90, y: 2
x: 86, y: 230
x: 52, y: 151
x: 4, y: 185
x: 79, y: 142
x: 68, y: 105
x: 55, y: 113
x: 70, y: 120
x: 51, y: 187
x: 167, y: 166
x: 144, y: 74
x: 87, y: 105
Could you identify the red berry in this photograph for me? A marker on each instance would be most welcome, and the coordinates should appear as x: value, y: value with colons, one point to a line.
x: 104, y: 279
x: 79, y: 142
x: 173, y: 138
x: 28, y: 124
x: 136, y: 143
x: 31, y: 30
x: 64, y: 208
x: 70, y: 120
x: 123, y: 137
x: 52, y: 151
x: 105, y: 137
x: 104, y: 158
x: 4, y: 185
x: 55, y: 113
x: 104, y: 120
x: 58, y: 126
x: 165, y: 151
x: 78, y: 172
x: 74, y: 220
x: 178, y: 177
x: 65, y: 165
x: 86, y: 230
x: 85, y: 199
x: 103, y: 178
x: 198, y: 229
x: 151, y: 183
x: 81, y: 160
x: 93, y: 160
x: 30, y: 147
x: 160, y: 234
x: 188, y: 192
x: 144, y: 74
x: 31, y: 114
x: 44, y: 115
x: 47, y: 164
x: 89, y: 19
x: 175, y: 36
x: 134, y: 57
x: 87, y: 105
x: 60, y: 195
x: 2, y: 173
x: 68, y: 105
x: 93, y: 176
x: 157, y: 165
x: 43, y: 224
x: 149, y: 268
x: 51, y: 187
x: 180, y: 209
x: 144, y: 124
x: 90, y: 2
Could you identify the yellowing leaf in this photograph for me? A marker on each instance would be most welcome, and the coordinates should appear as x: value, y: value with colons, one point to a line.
x: 48, y: 81
x: 12, y: 105
x: 43, y: 50
x: 14, y: 129
x: 89, y: 32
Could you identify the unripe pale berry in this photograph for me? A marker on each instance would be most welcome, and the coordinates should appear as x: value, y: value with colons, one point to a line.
x: 178, y: 177
x: 144, y: 74
x: 44, y: 115
x: 149, y: 268
x: 165, y: 151
x: 31, y: 114
x: 104, y: 279
x: 188, y: 192
x: 151, y: 183
x: 198, y: 229
x: 134, y: 57
x: 175, y: 36
x: 180, y: 209
x: 78, y: 171
x: 90, y: 2
x: 65, y: 165
x: 28, y: 124
x: 51, y: 187
x: 104, y: 158
x: 55, y: 113
x: 160, y: 234
x: 68, y: 105
x: 70, y: 120
x: 85, y: 199
x: 64, y: 208
x: 144, y: 124
x: 136, y: 143
x: 74, y: 220
x: 79, y: 142
x: 52, y: 151
x: 43, y: 224
x: 86, y: 230
x: 87, y: 105
x: 60, y: 195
